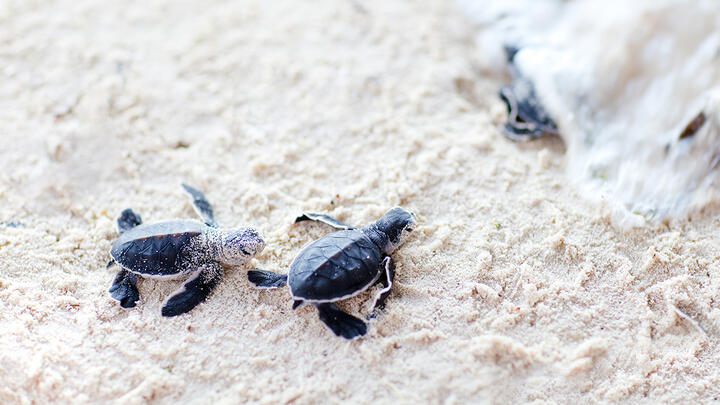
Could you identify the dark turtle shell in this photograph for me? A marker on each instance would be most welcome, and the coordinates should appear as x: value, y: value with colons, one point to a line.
x: 338, y: 265
x: 156, y: 249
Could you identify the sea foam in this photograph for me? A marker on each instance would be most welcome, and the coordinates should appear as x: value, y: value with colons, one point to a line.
x: 634, y: 88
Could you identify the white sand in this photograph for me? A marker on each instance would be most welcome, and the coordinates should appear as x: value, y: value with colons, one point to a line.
x: 513, y: 290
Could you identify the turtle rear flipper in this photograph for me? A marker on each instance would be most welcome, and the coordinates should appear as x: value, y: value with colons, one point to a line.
x: 267, y: 279
x: 124, y: 289
x: 201, y: 205
x: 340, y: 322
x: 325, y: 219
x: 195, y: 290
x: 128, y: 220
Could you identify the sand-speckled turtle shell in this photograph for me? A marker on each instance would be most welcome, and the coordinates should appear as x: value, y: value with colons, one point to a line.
x: 156, y: 249
x: 336, y: 266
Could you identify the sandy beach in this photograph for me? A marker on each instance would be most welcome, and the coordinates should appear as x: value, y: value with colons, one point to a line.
x: 513, y: 289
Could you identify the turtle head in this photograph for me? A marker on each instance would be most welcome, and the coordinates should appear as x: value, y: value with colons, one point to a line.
x: 396, y: 225
x: 240, y: 245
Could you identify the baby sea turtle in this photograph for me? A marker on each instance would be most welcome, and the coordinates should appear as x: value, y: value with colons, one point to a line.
x: 178, y: 248
x: 342, y: 265
x: 527, y: 118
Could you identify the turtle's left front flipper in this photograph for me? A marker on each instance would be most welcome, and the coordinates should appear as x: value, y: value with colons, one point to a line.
x: 201, y: 205
x: 195, y: 290
x: 325, y: 219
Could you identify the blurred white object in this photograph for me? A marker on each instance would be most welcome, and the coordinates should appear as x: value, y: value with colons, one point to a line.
x: 634, y: 88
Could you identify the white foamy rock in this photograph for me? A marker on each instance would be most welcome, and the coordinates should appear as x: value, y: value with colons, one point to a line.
x: 634, y: 89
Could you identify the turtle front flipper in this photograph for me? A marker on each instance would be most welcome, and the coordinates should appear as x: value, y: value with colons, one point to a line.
x: 266, y: 279
x: 128, y: 220
x: 387, y: 267
x: 325, y: 219
x: 124, y: 289
x: 201, y: 205
x: 195, y: 290
x: 340, y: 322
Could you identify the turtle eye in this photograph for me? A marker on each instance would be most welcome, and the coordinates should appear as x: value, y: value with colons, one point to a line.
x: 245, y: 252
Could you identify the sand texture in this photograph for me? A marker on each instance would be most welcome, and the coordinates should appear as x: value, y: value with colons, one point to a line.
x: 512, y: 290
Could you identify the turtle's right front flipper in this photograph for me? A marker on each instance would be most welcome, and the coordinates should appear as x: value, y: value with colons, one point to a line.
x: 195, y: 290
x: 387, y: 276
x: 325, y: 219
x: 340, y: 322
x: 267, y: 279
x: 124, y: 289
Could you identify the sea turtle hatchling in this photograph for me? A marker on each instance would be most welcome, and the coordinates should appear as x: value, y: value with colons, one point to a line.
x: 178, y: 248
x: 342, y: 265
x: 527, y: 117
